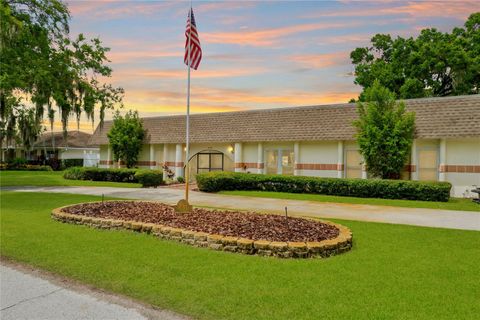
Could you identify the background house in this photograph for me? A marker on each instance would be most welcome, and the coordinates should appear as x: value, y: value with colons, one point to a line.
x: 54, y: 146
x: 312, y: 141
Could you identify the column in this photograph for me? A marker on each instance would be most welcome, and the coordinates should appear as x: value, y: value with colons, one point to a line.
x: 364, y: 168
x: 413, y: 161
x: 179, y: 160
x: 152, y: 157
x: 165, y: 154
x: 340, y: 160
x: 238, y: 157
x: 296, y: 158
x: 109, y: 157
x: 260, y: 161
x: 443, y: 160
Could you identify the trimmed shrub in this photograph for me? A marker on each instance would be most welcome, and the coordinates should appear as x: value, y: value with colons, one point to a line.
x: 68, y: 163
x: 98, y: 174
x: 20, y: 164
x: 363, y: 188
x: 181, y: 179
x: 149, y: 178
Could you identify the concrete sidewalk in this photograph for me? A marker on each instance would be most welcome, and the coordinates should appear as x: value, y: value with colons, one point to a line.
x: 28, y: 294
x: 464, y: 220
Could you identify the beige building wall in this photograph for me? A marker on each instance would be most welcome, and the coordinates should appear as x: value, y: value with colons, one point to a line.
x: 250, y: 157
x: 318, y: 159
x: 71, y: 153
x: 463, y: 165
x: 225, y: 148
x: 103, y: 156
x: 460, y: 166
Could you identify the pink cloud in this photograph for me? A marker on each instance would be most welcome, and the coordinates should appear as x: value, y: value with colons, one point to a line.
x: 317, y: 61
x: 267, y: 37
x: 133, y: 56
x: 111, y: 9
x: 416, y: 9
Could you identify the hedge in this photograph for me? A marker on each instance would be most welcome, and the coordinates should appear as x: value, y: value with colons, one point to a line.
x: 363, y: 188
x: 113, y: 175
x: 149, y: 178
x: 27, y: 167
x: 68, y: 163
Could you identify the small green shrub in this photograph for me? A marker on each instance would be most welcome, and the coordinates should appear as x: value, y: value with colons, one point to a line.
x: 149, y: 178
x: 17, y: 162
x: 99, y: 174
x: 181, y: 179
x: 363, y: 188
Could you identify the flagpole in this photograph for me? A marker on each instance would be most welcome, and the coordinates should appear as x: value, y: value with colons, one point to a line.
x: 187, y: 151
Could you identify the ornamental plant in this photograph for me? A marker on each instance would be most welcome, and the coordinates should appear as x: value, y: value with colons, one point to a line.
x: 126, y: 136
x: 385, y: 132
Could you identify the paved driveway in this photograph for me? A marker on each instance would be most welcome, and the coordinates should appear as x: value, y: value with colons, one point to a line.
x: 411, y: 216
x: 25, y: 294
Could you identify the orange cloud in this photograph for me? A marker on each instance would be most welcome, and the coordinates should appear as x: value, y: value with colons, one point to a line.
x: 207, y: 97
x: 129, y: 74
x: 266, y: 37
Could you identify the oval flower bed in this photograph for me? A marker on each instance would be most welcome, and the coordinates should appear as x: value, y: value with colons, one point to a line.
x: 243, y: 232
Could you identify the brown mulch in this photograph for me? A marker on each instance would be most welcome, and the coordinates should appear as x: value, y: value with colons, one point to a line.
x: 227, y: 223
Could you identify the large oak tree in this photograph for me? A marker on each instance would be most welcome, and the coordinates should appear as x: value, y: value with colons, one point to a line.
x: 433, y: 64
x: 42, y: 68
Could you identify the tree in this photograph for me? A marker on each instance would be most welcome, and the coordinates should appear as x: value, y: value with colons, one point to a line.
x: 126, y: 137
x: 385, y: 132
x: 28, y: 128
x: 433, y: 64
x: 41, y: 66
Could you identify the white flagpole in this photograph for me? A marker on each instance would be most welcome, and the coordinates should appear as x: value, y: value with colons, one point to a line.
x: 187, y: 151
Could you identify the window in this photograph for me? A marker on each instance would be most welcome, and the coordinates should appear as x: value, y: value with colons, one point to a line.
x: 207, y: 162
x: 280, y: 161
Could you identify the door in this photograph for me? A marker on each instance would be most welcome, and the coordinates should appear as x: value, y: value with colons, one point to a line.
x: 353, y: 161
x: 427, y: 164
x: 280, y: 161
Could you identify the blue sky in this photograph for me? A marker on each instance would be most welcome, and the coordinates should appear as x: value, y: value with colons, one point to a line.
x: 256, y: 54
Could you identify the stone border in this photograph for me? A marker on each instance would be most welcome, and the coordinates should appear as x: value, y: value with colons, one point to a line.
x: 323, y: 249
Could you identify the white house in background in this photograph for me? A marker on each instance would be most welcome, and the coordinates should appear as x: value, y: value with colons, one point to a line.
x: 312, y: 141
x: 55, y: 146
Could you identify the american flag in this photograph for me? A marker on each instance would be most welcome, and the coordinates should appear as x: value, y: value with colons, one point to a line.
x: 195, y: 49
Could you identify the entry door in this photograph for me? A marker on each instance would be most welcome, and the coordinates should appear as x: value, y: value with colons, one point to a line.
x: 280, y: 161
x: 353, y: 161
x: 427, y: 164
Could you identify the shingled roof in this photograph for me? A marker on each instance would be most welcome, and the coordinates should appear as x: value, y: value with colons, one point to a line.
x: 75, y: 139
x: 444, y: 117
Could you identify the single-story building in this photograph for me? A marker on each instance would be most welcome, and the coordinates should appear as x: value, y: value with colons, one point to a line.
x: 53, y: 145
x: 312, y: 141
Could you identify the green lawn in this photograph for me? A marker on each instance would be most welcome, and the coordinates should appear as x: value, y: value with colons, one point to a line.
x: 52, y: 178
x: 393, y: 271
x: 452, y: 204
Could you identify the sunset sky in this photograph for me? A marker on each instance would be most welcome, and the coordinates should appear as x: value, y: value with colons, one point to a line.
x: 256, y: 54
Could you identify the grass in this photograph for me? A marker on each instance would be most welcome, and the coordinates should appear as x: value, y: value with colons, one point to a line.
x: 393, y: 271
x: 452, y: 204
x: 52, y: 178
